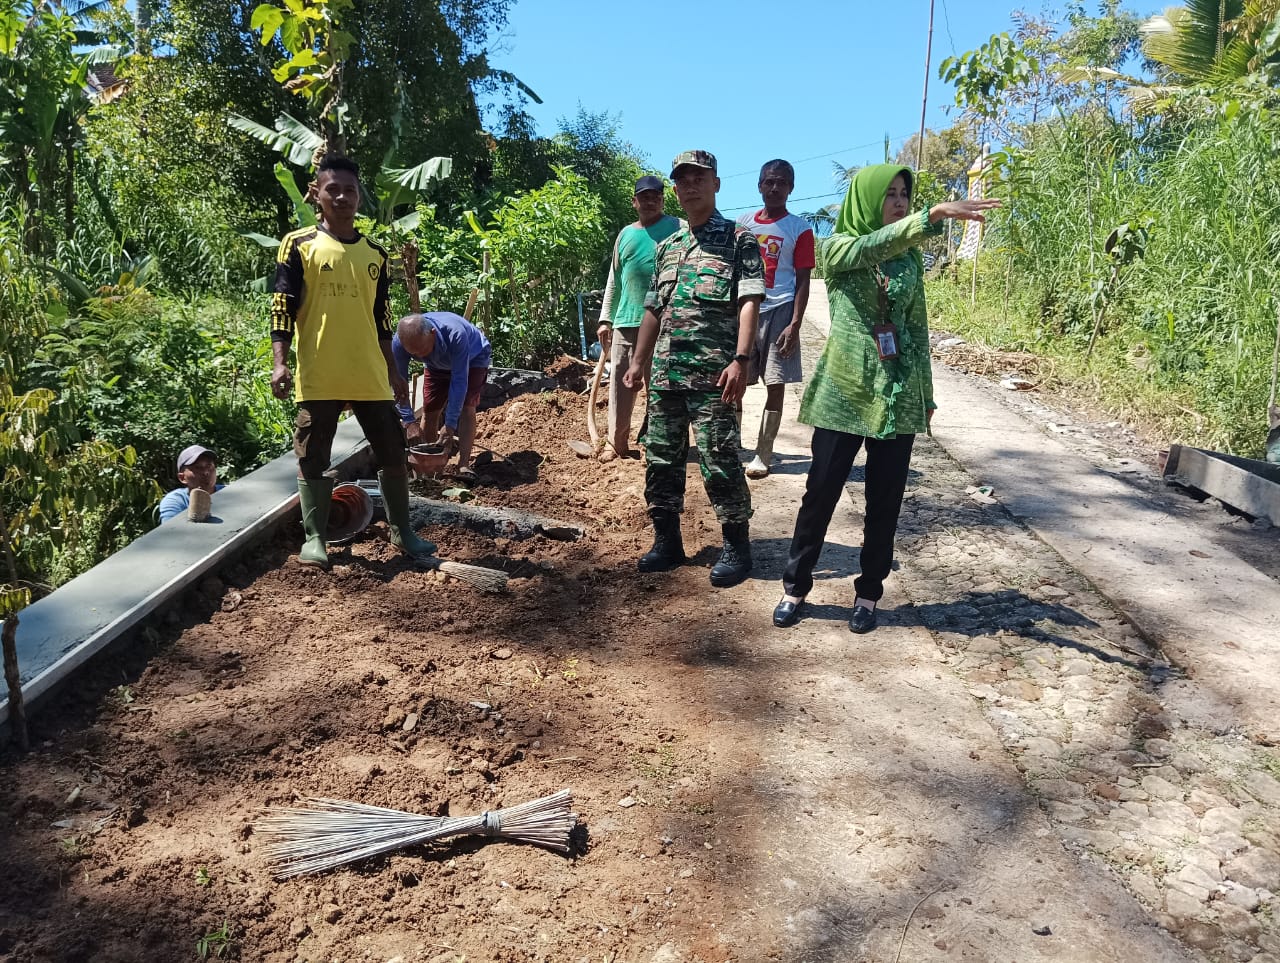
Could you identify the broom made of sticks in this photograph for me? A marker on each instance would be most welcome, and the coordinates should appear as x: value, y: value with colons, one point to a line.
x: 333, y: 833
x: 485, y: 579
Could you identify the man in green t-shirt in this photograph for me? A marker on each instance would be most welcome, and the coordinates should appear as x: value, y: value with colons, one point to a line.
x: 623, y: 308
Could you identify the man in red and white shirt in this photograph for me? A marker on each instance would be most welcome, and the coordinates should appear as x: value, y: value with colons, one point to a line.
x: 786, y: 245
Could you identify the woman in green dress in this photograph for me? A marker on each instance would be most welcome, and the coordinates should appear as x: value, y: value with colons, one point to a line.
x: 873, y: 385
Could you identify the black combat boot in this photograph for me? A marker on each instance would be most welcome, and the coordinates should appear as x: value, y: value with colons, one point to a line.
x: 735, y: 558
x: 668, y: 548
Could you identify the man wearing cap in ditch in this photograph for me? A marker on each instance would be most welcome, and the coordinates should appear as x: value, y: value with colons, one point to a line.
x: 197, y: 468
x: 701, y: 313
x: 623, y: 308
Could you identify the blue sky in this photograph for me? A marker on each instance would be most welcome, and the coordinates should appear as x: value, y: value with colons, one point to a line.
x: 747, y: 80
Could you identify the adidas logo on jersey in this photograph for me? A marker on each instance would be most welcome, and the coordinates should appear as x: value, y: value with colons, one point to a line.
x: 326, y: 266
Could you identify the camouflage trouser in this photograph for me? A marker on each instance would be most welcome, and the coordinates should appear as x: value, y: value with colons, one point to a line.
x: 667, y: 451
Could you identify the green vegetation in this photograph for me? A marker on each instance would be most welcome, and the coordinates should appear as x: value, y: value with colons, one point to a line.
x: 1140, y: 245
x: 151, y: 156
x: 217, y: 944
x: 153, y: 153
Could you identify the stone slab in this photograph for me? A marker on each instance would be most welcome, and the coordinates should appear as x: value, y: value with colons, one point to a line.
x: 1243, y: 483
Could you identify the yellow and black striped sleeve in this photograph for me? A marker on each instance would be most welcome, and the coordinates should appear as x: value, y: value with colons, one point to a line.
x: 287, y: 291
x: 382, y: 296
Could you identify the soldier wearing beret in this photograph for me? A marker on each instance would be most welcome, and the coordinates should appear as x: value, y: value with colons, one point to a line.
x: 701, y: 314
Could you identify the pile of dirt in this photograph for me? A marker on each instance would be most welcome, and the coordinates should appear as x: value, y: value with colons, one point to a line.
x: 570, y: 374
x: 129, y: 832
x: 531, y: 466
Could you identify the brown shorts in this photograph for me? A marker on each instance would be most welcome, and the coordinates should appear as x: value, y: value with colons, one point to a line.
x: 435, y: 390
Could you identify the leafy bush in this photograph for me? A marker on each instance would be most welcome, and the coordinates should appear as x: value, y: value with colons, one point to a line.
x: 544, y: 246
x: 1188, y: 327
x: 62, y: 493
x: 158, y: 374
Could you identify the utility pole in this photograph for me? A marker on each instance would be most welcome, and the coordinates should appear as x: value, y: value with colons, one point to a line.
x: 924, y: 100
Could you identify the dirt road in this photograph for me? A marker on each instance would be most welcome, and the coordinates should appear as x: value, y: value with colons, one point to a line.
x: 1004, y: 770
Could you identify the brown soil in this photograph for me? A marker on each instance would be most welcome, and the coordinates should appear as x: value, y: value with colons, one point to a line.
x: 570, y: 373
x: 128, y: 833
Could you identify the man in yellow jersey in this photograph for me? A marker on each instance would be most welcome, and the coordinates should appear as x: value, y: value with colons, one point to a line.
x: 332, y: 292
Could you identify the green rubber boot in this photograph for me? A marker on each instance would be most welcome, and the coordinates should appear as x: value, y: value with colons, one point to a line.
x: 314, y: 495
x: 395, y: 502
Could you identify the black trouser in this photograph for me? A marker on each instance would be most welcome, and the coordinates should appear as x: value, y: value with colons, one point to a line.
x: 318, y: 422
x: 833, y: 452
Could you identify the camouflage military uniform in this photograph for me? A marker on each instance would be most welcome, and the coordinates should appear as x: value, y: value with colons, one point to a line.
x: 699, y: 275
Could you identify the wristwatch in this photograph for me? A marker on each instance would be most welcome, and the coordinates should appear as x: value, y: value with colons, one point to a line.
x: 742, y: 358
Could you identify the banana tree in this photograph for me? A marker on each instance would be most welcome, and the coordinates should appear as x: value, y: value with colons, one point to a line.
x: 43, y: 72
x: 393, y: 187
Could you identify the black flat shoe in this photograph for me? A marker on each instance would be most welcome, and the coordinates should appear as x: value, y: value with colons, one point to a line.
x: 863, y: 620
x: 786, y: 614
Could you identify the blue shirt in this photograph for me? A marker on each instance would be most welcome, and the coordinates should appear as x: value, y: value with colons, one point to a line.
x: 178, y: 501
x: 460, y: 346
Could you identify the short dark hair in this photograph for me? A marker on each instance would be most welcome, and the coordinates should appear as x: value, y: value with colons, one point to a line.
x: 780, y: 164
x: 337, y: 162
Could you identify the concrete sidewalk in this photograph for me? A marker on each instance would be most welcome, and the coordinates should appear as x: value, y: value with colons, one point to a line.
x: 1215, y: 616
x: 62, y: 631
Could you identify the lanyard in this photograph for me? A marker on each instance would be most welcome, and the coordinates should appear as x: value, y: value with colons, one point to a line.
x: 882, y: 293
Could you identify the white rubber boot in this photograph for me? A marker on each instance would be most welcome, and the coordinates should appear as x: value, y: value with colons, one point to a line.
x: 759, y: 466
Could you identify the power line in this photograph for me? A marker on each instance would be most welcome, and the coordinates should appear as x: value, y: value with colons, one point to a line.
x: 790, y: 200
x: 947, y: 20
x: 804, y: 160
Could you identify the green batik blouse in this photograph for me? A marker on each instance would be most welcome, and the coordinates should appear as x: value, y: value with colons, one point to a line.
x: 852, y: 390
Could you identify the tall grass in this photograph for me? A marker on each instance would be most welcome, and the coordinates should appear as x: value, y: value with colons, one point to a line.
x: 1188, y: 329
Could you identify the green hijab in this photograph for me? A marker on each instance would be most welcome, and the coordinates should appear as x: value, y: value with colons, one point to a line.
x: 863, y: 209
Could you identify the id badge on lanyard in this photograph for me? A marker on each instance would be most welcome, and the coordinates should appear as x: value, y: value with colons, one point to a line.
x: 886, y: 332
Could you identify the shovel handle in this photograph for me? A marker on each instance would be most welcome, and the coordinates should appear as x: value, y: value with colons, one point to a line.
x: 591, y: 402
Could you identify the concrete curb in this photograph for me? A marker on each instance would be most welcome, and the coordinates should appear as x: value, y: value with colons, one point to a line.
x: 66, y: 628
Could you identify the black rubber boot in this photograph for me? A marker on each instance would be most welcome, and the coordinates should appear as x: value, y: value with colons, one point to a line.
x: 668, y: 547
x: 735, y: 557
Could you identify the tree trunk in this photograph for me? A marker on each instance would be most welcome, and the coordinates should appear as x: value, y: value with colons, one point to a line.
x: 142, y: 26
x: 17, y: 713
x: 409, y: 262
x: 69, y: 187
x: 31, y: 229
x: 335, y: 141
x: 6, y: 547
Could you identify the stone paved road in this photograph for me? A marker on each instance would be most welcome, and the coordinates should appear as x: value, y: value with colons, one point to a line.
x: 1138, y: 768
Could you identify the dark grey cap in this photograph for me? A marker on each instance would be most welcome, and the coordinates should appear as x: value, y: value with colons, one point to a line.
x: 191, y: 453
